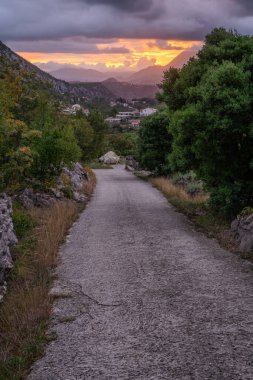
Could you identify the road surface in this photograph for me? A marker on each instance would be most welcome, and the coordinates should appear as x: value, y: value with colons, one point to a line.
x: 142, y: 295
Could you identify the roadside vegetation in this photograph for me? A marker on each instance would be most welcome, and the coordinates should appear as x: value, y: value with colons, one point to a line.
x: 36, y: 141
x: 206, y: 122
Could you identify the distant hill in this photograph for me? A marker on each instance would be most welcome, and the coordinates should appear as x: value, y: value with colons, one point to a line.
x: 130, y: 91
x: 154, y: 74
x: 70, y: 74
x: 67, y: 91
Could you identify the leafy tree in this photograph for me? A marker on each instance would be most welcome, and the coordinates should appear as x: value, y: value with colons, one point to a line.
x: 210, y: 101
x: 56, y: 148
x: 155, y: 142
x: 100, y: 128
x: 123, y: 144
x: 85, y: 135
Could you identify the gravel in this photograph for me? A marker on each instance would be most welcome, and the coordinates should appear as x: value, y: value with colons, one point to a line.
x: 141, y: 295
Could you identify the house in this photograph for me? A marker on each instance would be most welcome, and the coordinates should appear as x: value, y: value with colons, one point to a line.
x: 147, y: 112
x: 135, y: 123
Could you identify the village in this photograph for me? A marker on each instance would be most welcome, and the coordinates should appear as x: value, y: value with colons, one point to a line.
x: 124, y: 115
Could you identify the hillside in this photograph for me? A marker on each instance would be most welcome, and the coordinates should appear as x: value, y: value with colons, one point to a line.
x: 68, y: 91
x: 130, y: 91
x: 72, y: 74
x: 154, y: 74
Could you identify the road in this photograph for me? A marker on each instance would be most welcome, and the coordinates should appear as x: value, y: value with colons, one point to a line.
x: 142, y: 295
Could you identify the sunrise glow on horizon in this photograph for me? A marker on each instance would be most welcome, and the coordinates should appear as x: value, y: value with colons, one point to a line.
x: 139, y: 53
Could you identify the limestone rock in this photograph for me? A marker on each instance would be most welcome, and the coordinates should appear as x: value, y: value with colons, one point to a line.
x: 110, y: 158
x: 29, y: 199
x: 7, y: 238
x: 242, y: 231
x: 131, y: 164
x: 77, y: 176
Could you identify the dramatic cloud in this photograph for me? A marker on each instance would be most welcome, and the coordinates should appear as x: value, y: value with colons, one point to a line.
x: 157, y: 19
x: 70, y: 45
x: 105, y: 28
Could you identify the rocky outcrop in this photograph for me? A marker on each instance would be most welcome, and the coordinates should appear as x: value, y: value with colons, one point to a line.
x: 242, y: 231
x: 110, y: 158
x: 7, y: 239
x: 131, y: 164
x: 70, y: 184
x: 76, y: 179
x: 29, y: 199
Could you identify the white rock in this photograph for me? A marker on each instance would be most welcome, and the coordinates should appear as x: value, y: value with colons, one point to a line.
x: 110, y: 158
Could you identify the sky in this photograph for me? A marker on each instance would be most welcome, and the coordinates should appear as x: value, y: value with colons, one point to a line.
x: 125, y: 35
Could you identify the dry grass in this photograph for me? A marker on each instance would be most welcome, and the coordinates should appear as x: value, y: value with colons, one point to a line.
x: 89, y: 186
x: 26, y: 308
x: 171, y: 191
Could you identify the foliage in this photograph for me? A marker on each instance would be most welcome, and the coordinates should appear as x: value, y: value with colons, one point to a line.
x: 210, y: 101
x: 100, y: 129
x: 36, y: 140
x: 123, y: 144
x: 154, y: 142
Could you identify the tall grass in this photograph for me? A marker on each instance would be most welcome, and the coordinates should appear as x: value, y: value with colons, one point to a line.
x: 176, y: 192
x: 26, y: 308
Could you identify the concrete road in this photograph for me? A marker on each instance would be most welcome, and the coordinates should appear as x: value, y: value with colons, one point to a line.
x: 142, y: 295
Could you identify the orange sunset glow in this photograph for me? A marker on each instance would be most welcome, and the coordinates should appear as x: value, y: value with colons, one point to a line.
x: 137, y: 49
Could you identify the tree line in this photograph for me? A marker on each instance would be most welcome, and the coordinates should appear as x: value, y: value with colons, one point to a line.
x: 36, y: 138
x: 206, y: 122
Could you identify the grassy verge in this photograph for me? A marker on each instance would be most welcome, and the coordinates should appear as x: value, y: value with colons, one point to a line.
x: 25, y: 311
x: 196, y: 208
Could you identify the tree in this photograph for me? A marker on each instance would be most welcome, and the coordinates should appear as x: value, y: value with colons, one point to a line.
x: 155, y: 142
x: 100, y: 129
x: 210, y: 101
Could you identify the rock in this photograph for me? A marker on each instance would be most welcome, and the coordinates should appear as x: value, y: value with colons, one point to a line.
x: 29, y: 199
x: 131, y: 164
x: 7, y: 239
x: 79, y: 197
x: 110, y: 158
x: 242, y: 232
x: 77, y: 176
x: 57, y: 193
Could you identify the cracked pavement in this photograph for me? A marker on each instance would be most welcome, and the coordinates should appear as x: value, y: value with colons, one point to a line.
x: 142, y: 295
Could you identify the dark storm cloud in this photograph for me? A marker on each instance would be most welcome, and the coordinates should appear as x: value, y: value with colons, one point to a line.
x: 59, y: 20
x: 127, y: 5
x: 69, y: 45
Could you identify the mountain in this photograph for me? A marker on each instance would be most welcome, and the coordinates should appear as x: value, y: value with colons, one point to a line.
x: 67, y: 91
x: 149, y: 75
x: 130, y: 91
x: 70, y: 74
x: 181, y: 59
x: 154, y: 74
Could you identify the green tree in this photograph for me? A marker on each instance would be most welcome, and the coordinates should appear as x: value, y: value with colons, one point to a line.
x: 210, y: 101
x: 154, y: 142
x: 100, y: 129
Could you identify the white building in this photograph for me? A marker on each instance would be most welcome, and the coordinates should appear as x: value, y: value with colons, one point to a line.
x: 147, y: 112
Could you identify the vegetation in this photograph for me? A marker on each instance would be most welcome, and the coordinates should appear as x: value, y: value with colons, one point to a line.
x: 210, y: 131
x: 154, y: 142
x: 123, y: 144
x: 36, y: 138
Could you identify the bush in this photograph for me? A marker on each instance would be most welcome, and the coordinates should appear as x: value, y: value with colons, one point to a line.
x: 154, y: 142
x: 210, y: 101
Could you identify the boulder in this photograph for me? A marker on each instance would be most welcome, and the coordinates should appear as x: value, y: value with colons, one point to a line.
x: 77, y: 176
x: 7, y: 239
x: 131, y: 164
x: 110, y: 158
x: 242, y: 232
